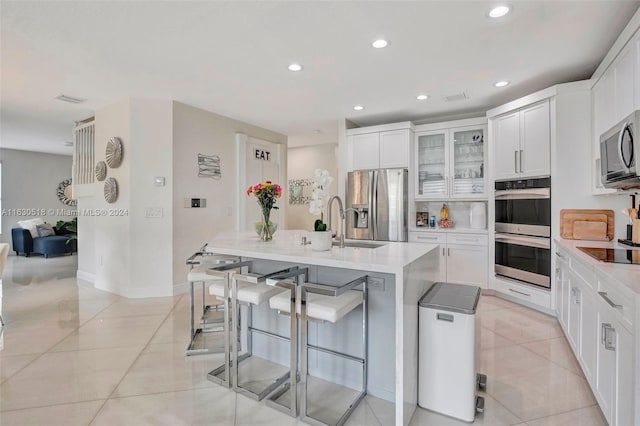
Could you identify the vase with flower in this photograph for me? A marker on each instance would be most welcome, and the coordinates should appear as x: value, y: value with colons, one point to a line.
x: 267, y: 194
x: 320, y: 237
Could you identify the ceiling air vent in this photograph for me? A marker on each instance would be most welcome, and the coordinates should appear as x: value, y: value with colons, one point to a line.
x: 457, y: 97
x: 65, y: 98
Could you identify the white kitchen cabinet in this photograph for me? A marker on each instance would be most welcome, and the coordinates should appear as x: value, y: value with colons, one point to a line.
x: 624, y: 84
x: 463, y: 257
x: 562, y: 275
x: 368, y: 148
x: 599, y: 327
x: 636, y: 72
x: 450, y: 163
x: 364, y: 151
x: 522, y: 142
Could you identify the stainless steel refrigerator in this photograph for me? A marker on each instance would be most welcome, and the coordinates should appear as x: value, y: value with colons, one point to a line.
x: 377, y: 202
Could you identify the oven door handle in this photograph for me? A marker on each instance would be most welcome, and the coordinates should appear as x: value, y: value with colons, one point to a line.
x: 520, y: 194
x: 537, y: 242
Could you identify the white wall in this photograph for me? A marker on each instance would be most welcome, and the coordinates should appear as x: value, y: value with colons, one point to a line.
x: 30, y: 181
x: 301, y: 163
x: 196, y: 131
x: 572, y: 178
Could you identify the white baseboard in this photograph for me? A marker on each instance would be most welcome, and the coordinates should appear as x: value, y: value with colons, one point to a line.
x: 180, y: 288
x: 86, y: 276
x: 136, y: 292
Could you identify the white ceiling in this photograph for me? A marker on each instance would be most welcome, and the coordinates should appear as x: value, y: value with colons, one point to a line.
x: 231, y: 58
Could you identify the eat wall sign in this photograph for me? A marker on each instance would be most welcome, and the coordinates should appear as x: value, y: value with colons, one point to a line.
x: 261, y: 154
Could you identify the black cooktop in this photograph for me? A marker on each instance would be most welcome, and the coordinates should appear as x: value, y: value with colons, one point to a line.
x: 613, y: 255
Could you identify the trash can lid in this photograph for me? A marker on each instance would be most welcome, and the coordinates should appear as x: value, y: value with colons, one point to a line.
x: 451, y: 297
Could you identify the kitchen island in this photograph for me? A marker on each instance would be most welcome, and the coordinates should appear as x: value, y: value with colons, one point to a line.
x: 404, y: 271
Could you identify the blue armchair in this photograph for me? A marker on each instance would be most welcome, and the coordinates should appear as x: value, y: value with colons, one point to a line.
x: 52, y: 245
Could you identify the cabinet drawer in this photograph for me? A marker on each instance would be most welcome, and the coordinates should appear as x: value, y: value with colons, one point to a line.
x: 427, y: 237
x: 622, y: 304
x: 468, y: 239
x: 524, y: 292
x: 585, y: 272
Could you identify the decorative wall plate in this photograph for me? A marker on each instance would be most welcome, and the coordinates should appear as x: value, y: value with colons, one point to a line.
x: 101, y: 171
x: 114, y: 152
x: 110, y: 190
x: 64, y: 193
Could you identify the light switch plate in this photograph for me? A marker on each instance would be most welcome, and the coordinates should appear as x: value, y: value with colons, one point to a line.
x: 153, y: 212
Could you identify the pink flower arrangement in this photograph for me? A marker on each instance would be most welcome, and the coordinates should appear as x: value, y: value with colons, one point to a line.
x: 266, y: 193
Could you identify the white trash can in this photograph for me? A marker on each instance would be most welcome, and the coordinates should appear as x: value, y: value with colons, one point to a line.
x: 448, y: 349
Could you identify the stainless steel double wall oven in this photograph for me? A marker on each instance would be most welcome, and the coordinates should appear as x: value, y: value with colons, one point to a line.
x: 523, y: 230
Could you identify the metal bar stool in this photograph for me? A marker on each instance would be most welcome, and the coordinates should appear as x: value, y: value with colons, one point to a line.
x: 248, y: 288
x: 292, y: 282
x: 320, y: 302
x: 199, y: 262
x: 224, y: 271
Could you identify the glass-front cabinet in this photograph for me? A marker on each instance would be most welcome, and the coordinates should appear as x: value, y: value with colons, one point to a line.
x: 451, y: 163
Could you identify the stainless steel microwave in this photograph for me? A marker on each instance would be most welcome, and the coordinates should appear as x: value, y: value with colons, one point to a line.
x: 619, y: 150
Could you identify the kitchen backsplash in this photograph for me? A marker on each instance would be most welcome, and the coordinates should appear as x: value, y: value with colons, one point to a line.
x: 458, y: 212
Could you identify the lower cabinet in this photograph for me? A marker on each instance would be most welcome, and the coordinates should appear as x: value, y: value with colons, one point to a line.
x: 593, y: 321
x: 464, y: 258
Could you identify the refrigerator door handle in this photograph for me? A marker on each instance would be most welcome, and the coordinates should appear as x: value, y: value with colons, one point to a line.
x: 373, y: 215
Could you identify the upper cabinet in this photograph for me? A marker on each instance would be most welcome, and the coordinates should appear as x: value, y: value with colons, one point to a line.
x: 615, y: 95
x: 522, y: 142
x: 376, y: 148
x: 450, y: 163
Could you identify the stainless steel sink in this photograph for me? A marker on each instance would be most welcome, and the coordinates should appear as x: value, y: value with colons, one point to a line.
x: 358, y: 244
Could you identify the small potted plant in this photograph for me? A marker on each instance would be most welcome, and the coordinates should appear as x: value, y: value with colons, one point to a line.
x: 320, y: 237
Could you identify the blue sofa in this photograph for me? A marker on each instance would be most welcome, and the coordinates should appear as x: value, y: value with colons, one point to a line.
x: 47, y: 246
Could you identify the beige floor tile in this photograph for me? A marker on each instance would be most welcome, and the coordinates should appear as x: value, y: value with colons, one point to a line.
x: 536, y: 393
x: 32, y: 337
x: 558, y: 351
x: 210, y: 406
x: 10, y: 365
x: 79, y: 414
x: 507, y: 361
x: 139, y: 307
x: 175, y: 328
x: 164, y: 368
x: 117, y: 332
x: 385, y: 411
x: 250, y: 412
x: 493, y: 303
x: 489, y: 339
x: 521, y: 326
x: 590, y: 416
x: 65, y: 377
x: 495, y: 414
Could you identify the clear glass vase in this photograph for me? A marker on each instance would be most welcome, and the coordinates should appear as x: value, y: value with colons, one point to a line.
x: 265, y: 228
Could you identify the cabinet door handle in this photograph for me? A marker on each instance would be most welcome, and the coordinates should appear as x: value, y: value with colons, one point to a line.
x: 443, y: 251
x: 515, y: 161
x: 448, y: 252
x: 561, y: 256
x: 520, y: 292
x: 521, y: 152
x: 611, y: 303
x: 421, y: 237
x: 471, y: 240
x: 608, y: 337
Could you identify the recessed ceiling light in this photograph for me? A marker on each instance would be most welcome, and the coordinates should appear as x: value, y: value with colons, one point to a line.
x: 65, y: 98
x: 68, y: 143
x: 422, y: 97
x: 501, y: 83
x: 499, y: 11
x: 358, y: 107
x: 295, y: 67
x: 379, y: 44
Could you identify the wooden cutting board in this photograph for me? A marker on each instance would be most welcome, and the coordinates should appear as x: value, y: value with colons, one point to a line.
x: 582, y: 224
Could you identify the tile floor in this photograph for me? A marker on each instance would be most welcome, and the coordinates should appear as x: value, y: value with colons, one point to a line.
x: 74, y: 355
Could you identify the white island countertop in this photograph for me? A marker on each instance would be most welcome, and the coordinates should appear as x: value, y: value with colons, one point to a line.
x: 391, y: 257
x: 624, y: 274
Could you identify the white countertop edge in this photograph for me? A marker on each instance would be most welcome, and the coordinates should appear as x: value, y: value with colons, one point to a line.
x: 391, y: 258
x: 625, y: 275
